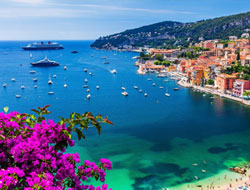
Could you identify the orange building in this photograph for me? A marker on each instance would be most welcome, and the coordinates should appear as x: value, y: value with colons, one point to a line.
x: 197, y: 75
x: 225, y: 82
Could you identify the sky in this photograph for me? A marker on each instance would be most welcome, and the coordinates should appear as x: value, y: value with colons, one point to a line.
x: 90, y: 19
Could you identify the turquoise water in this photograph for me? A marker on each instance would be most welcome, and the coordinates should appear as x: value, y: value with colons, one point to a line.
x: 155, y: 140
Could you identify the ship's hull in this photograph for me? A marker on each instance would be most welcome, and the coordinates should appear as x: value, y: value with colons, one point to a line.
x: 42, y: 48
x: 44, y: 65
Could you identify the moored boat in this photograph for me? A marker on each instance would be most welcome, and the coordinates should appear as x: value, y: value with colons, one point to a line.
x: 43, y: 46
x: 44, y: 63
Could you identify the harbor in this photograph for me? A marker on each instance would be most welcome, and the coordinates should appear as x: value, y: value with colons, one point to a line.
x: 169, y: 123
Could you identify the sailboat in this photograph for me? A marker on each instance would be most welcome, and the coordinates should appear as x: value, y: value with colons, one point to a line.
x: 50, y: 81
x: 30, y: 55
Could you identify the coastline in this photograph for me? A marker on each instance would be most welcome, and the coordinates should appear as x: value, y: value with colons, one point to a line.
x: 214, y: 92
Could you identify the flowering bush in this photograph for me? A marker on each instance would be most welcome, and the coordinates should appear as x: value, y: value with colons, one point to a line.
x: 32, y: 152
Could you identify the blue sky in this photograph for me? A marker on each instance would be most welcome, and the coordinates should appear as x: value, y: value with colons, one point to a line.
x: 89, y: 19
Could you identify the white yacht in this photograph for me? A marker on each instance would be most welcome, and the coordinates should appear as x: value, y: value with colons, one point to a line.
x: 54, y: 76
x: 167, y: 94
x: 13, y: 80
x: 123, y: 88
x: 153, y: 84
x: 32, y: 72
x: 88, y: 90
x: 18, y: 96
x: 88, y: 96
x: 124, y: 93
x: 22, y: 87
x: 51, y: 93
x: 97, y: 87
x: 135, y: 87
x: 145, y: 94
x: 113, y: 71
x: 65, y: 85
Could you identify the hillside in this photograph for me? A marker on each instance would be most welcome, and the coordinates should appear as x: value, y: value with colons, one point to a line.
x: 169, y: 34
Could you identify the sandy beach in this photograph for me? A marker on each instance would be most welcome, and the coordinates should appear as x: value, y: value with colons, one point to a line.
x: 226, y: 180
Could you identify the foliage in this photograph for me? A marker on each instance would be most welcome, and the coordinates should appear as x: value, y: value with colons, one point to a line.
x: 246, y: 93
x: 189, y: 55
x: 33, y: 152
x: 166, y: 63
x: 237, y: 68
x: 210, y: 82
x: 174, y: 34
x: 159, y: 57
x: 145, y: 56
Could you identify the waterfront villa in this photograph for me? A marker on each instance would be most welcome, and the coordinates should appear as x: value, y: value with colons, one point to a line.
x: 224, y: 82
x: 240, y: 86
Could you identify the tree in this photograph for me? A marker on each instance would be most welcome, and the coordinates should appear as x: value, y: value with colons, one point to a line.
x: 159, y: 57
x: 238, y: 55
x: 32, y: 152
x: 210, y: 82
x: 247, y: 94
x: 157, y: 62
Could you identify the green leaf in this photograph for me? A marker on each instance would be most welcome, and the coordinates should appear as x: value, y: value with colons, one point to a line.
x: 6, y: 109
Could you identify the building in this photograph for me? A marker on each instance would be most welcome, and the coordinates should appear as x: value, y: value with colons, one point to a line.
x: 240, y: 86
x: 224, y: 82
x: 197, y: 75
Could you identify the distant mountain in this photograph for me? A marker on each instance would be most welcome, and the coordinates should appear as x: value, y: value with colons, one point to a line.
x: 170, y: 34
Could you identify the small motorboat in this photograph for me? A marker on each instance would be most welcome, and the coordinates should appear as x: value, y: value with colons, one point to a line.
x: 145, y: 94
x: 50, y: 82
x: 175, y: 89
x: 35, y: 86
x: 106, y: 62
x: 153, y: 84
x: 54, y: 76
x: 74, y: 51
x: 161, y: 87
x: 88, y: 90
x: 149, y: 79
x: 140, y: 90
x: 88, y: 96
x: 124, y: 93
x: 86, y: 80
x: 104, y: 57
x: 51, y: 93
x: 18, y: 96
x: 35, y: 79
x: 65, y: 85
x: 13, y: 80
x: 123, y: 88
x: 85, y: 86
x: 90, y: 73
x: 4, y: 85
x: 22, y: 87
x: 113, y: 71
x: 97, y: 87
x: 65, y: 68
x: 167, y: 94
x: 32, y: 72
x: 136, y: 87
x: 30, y: 55
x: 85, y: 70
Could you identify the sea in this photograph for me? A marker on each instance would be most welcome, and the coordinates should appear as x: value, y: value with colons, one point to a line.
x: 156, y: 141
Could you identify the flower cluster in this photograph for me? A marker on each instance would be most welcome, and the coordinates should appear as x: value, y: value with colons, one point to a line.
x: 33, y: 157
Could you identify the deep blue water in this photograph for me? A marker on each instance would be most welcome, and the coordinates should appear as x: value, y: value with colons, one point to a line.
x: 155, y: 139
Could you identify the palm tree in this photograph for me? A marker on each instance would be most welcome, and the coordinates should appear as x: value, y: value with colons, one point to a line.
x: 247, y: 94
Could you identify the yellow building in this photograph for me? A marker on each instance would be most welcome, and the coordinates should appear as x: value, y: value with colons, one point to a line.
x: 172, y: 68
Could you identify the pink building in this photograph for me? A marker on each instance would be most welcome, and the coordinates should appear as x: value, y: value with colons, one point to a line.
x: 240, y: 86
